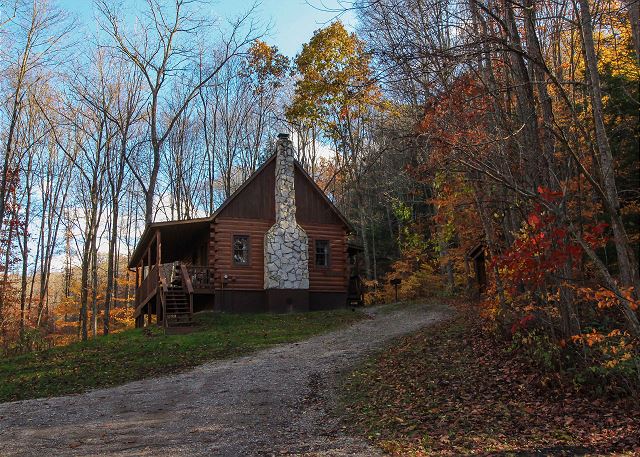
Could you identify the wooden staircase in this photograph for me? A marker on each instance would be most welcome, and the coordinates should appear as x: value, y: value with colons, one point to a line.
x: 178, y: 303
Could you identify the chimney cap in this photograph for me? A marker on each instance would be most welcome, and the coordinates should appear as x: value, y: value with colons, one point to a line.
x: 283, y: 136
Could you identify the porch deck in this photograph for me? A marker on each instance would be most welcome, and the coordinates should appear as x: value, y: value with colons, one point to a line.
x: 167, y: 292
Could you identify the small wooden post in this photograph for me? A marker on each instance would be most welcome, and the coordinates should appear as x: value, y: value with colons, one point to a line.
x: 396, y: 282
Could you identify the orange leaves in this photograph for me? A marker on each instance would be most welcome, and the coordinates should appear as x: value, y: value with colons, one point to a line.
x: 588, y: 338
x: 457, y: 120
x: 611, y: 349
x: 605, y: 298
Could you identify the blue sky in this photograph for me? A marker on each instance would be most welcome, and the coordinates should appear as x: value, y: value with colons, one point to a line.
x: 293, y: 21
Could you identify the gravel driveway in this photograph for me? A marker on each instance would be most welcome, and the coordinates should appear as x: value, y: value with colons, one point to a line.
x: 273, y: 402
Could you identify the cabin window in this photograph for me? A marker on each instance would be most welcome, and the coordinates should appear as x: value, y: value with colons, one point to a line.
x: 322, y: 253
x: 241, y: 250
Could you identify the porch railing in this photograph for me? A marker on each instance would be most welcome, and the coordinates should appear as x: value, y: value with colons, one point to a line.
x: 164, y: 286
x: 187, y: 285
x: 201, y: 278
x: 148, y: 286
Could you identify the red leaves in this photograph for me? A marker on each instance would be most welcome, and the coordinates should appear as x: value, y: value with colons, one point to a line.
x: 543, y: 246
x: 549, y: 195
x: 523, y: 323
x: 534, y: 220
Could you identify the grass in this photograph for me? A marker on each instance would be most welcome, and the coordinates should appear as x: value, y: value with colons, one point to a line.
x: 449, y: 389
x: 140, y: 353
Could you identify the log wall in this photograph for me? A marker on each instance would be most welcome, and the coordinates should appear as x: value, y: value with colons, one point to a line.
x: 333, y: 278
x: 251, y: 277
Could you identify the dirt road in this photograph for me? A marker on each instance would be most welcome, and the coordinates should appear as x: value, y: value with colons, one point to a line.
x: 273, y: 402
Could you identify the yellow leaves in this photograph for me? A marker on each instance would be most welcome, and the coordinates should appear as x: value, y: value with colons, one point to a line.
x: 615, y: 46
x: 266, y: 61
x: 335, y: 78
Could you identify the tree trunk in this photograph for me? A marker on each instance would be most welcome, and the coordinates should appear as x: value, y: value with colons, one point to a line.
x: 626, y: 258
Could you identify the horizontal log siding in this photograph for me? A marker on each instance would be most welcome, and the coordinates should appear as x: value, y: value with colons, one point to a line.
x: 335, y: 277
x: 249, y: 277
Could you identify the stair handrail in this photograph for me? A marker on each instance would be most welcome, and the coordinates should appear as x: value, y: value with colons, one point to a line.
x: 163, y: 287
x: 186, y: 281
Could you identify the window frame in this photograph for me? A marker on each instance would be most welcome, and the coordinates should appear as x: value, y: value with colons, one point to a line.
x: 327, y: 254
x: 233, y: 250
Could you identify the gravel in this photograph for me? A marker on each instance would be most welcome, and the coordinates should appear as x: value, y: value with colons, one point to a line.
x: 274, y: 402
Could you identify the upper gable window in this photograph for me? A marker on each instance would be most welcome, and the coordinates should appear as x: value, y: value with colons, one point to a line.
x: 322, y: 253
x: 241, y: 250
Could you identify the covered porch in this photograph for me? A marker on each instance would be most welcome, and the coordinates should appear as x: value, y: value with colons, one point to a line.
x: 171, y: 266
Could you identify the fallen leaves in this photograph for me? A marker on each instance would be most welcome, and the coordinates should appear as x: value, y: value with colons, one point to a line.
x: 450, y: 390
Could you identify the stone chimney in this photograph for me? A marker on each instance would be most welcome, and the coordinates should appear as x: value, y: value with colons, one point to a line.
x: 286, y: 245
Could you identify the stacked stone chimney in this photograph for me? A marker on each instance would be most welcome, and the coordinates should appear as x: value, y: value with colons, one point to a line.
x: 286, y: 245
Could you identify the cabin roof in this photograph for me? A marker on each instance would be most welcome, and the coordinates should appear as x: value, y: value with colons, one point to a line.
x: 179, y: 231
x: 175, y: 236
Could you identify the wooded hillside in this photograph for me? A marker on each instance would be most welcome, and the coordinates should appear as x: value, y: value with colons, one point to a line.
x: 438, y: 127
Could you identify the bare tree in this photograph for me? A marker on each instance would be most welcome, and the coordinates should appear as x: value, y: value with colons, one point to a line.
x: 163, y: 47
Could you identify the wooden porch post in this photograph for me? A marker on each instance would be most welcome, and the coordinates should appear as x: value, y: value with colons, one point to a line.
x: 148, y: 258
x: 158, y: 248
x: 158, y: 262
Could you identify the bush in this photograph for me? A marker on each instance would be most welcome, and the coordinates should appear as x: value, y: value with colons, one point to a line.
x: 593, y: 363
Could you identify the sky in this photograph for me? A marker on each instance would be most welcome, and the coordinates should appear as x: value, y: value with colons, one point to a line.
x: 292, y: 21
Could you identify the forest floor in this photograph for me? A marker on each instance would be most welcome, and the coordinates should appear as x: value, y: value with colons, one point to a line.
x: 141, y: 353
x: 449, y: 389
x: 278, y: 401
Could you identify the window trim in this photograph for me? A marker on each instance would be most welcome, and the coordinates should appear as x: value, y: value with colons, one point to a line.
x: 328, y: 254
x: 233, y: 241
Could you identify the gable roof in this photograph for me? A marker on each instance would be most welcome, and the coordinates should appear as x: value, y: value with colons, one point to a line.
x: 306, y: 175
x: 197, y: 223
x: 333, y: 207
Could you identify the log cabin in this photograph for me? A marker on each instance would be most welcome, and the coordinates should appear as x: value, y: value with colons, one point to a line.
x: 277, y: 244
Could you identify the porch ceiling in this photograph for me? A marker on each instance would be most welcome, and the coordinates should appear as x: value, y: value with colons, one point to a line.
x: 176, y: 237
